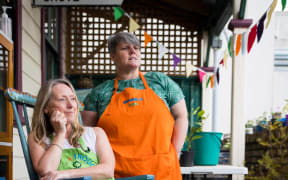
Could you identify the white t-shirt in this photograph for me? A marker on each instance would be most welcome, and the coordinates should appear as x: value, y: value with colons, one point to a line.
x: 88, y: 137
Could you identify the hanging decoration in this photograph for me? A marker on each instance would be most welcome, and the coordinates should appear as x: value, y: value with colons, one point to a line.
x: 271, y: 10
x: 229, y: 46
x: 283, y: 4
x: 176, y: 60
x: 208, y: 81
x: 212, y: 81
x: 147, y: 39
x: 244, y: 41
x: 162, y: 51
x: 238, y: 43
x: 251, y: 37
x: 189, y: 69
x: 260, y: 27
x: 118, y: 13
x: 201, y: 75
x: 133, y: 26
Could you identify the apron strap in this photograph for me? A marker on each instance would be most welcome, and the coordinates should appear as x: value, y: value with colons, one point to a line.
x: 142, y: 78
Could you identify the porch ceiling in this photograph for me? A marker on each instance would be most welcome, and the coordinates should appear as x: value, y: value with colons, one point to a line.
x: 209, y: 15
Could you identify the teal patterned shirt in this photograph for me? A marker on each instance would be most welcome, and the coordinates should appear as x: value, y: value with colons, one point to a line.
x: 168, y: 90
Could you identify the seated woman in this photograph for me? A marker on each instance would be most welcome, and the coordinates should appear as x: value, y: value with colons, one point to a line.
x: 59, y: 146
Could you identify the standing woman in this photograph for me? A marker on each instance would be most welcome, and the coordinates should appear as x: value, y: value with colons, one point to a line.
x: 144, y: 115
x: 59, y: 146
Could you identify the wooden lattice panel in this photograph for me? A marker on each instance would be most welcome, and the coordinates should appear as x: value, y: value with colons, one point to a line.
x: 3, y: 67
x: 88, y: 29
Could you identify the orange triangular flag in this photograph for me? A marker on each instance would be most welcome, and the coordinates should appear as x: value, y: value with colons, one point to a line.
x: 147, y: 39
x: 212, y: 81
x: 238, y: 44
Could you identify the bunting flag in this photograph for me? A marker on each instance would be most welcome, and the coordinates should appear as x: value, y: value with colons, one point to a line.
x: 189, y: 69
x: 176, y: 60
x: 147, y: 39
x: 225, y: 58
x: 260, y: 27
x: 212, y: 81
x: 118, y: 13
x: 272, y: 7
x: 244, y: 42
x: 201, y: 74
x: 207, y: 83
x: 251, y: 37
x: 133, y: 26
x: 229, y: 46
x: 222, y: 62
x: 238, y: 43
x: 283, y: 4
x: 162, y: 50
x: 217, y: 76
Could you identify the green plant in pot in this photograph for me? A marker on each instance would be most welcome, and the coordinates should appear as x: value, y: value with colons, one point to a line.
x: 187, y: 155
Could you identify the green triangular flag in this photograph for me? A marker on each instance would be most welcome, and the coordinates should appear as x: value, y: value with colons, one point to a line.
x: 229, y: 46
x: 118, y: 13
x: 283, y: 4
x: 208, y: 81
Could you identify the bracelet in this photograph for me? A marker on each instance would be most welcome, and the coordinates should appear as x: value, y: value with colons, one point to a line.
x: 57, y: 145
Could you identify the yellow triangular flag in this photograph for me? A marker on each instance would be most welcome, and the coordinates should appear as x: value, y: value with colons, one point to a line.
x: 133, y: 26
x: 189, y: 69
x: 272, y: 7
x: 225, y: 58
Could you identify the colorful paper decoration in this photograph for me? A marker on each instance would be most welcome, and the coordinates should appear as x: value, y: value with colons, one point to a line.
x: 201, y: 74
x: 217, y: 76
x: 118, y: 13
x: 272, y: 7
x: 147, y: 39
x: 229, y: 46
x: 251, y: 37
x: 212, y: 81
x: 133, y: 26
x: 176, y: 60
x: 189, y: 69
x: 225, y: 58
x: 238, y: 43
x: 162, y: 50
x: 283, y: 4
x: 260, y: 27
x: 207, y: 83
x: 244, y: 42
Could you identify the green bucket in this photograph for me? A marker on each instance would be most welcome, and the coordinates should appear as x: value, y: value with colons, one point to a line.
x: 207, y: 148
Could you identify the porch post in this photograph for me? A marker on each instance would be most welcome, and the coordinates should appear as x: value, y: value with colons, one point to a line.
x: 238, y: 98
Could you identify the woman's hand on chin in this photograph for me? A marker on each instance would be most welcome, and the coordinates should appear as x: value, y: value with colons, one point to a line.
x: 58, y: 121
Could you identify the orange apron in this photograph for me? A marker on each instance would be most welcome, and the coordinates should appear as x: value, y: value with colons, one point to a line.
x: 139, y: 127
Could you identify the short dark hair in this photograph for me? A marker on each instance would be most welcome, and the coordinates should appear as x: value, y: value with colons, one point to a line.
x: 119, y: 37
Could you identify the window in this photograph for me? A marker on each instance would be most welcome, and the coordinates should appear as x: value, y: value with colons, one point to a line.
x: 52, y: 32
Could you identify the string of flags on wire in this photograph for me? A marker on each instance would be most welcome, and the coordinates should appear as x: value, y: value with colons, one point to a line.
x: 133, y: 26
x: 244, y: 41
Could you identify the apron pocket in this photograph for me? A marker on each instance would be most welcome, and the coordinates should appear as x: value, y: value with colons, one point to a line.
x: 159, y: 165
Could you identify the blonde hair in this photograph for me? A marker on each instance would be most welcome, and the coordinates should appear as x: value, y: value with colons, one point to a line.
x: 41, y: 126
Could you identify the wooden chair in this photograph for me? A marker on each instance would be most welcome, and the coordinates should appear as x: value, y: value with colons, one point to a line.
x: 26, y: 100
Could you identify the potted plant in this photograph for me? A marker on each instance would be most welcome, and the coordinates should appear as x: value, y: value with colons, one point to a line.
x: 186, y: 158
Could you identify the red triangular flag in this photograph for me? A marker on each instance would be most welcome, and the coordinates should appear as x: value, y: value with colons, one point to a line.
x: 251, y: 37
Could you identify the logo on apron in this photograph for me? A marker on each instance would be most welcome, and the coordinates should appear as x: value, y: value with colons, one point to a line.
x: 132, y: 100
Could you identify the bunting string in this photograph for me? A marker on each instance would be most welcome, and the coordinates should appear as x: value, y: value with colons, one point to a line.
x: 244, y: 41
